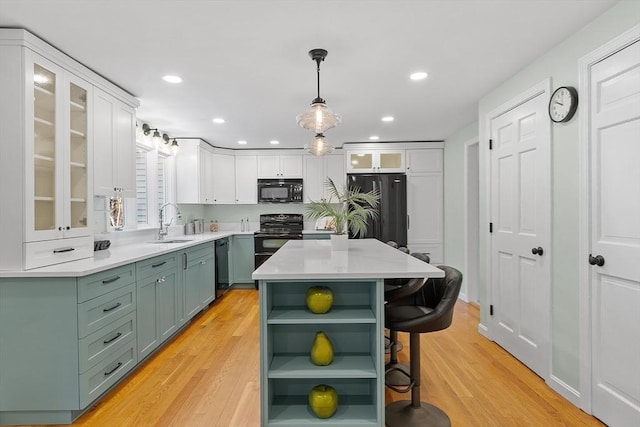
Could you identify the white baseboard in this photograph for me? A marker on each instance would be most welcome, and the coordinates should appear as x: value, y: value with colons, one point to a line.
x: 564, y: 390
x: 482, y: 330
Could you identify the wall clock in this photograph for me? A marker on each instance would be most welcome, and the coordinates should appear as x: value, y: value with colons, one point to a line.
x: 563, y: 104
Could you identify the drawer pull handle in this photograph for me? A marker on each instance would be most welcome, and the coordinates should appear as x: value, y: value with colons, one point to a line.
x: 59, y: 251
x: 106, y: 374
x: 113, y: 279
x: 106, y: 310
x: 158, y: 264
x: 118, y: 335
x: 161, y: 279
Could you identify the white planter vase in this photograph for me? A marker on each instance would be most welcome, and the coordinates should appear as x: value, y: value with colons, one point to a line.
x: 340, y: 242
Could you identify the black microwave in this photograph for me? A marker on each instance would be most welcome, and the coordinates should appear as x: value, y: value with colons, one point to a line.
x: 280, y: 191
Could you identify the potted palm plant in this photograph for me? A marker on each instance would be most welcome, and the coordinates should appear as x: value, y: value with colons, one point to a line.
x: 349, y: 210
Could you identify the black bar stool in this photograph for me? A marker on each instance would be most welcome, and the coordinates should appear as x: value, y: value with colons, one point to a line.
x: 428, y: 310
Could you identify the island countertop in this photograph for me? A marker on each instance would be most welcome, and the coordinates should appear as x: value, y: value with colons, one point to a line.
x: 364, y: 259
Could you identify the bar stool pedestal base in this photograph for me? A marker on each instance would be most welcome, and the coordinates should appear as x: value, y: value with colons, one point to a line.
x: 403, y: 414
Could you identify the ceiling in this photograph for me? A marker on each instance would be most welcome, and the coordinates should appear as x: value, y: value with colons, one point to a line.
x: 246, y: 60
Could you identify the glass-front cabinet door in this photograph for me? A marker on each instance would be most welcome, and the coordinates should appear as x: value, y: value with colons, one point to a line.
x: 45, y: 157
x: 375, y: 161
x: 77, y: 184
x: 57, y: 127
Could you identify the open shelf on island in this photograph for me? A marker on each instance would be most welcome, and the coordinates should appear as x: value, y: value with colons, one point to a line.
x: 301, y: 315
x: 343, y: 366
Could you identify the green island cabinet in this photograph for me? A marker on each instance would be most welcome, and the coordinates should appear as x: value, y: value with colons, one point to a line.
x: 355, y: 327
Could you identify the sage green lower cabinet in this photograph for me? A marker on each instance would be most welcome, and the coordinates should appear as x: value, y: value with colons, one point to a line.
x: 198, y: 278
x: 287, y: 330
x: 157, y: 312
x: 242, y: 259
x: 63, y: 343
x: 316, y: 236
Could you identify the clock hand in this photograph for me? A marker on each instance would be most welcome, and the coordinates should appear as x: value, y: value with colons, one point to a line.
x: 559, y: 103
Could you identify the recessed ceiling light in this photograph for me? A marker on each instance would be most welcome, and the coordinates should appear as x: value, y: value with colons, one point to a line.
x: 274, y: 142
x: 172, y: 79
x: 418, y: 76
x: 387, y: 119
x: 242, y: 142
x: 218, y: 120
x: 374, y: 137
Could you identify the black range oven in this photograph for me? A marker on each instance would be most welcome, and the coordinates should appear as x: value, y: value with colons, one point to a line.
x: 275, y: 231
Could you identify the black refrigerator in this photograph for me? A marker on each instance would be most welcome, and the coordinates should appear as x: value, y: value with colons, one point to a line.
x: 391, y: 223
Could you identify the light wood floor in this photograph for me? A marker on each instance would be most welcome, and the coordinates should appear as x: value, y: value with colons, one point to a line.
x: 208, y: 376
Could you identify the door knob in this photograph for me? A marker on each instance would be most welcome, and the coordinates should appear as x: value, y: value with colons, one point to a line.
x: 596, y: 260
x: 537, y: 251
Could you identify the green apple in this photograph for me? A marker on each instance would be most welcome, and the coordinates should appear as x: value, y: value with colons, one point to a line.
x: 319, y: 299
x: 323, y: 400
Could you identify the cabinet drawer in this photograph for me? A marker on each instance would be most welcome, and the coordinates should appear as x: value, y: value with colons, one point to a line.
x: 152, y: 266
x: 100, y: 345
x: 49, y: 252
x: 200, y: 251
x: 98, y: 379
x: 99, y: 312
x: 106, y: 281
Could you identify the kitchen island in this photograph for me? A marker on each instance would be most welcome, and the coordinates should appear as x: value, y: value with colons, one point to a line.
x: 355, y: 325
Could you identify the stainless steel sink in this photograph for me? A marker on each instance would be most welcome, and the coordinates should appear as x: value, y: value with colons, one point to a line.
x: 172, y: 241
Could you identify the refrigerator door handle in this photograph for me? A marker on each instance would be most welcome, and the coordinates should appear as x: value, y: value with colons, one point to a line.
x: 408, y: 222
x: 375, y: 189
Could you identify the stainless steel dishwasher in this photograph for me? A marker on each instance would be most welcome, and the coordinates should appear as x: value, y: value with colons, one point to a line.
x: 222, y: 266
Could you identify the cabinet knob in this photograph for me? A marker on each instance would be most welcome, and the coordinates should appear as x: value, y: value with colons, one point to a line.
x: 68, y: 228
x: 596, y: 260
x: 537, y: 251
x: 59, y: 228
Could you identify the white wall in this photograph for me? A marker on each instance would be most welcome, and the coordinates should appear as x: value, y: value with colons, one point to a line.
x: 561, y: 64
x: 454, y: 195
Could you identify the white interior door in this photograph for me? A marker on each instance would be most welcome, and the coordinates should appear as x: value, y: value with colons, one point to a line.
x: 520, y: 212
x: 615, y: 236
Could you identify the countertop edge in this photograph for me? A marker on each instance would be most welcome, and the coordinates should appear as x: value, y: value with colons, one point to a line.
x: 129, y: 253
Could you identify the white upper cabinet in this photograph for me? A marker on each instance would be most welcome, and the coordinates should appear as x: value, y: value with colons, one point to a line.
x: 224, y: 177
x: 204, y: 176
x: 423, y: 160
x: 283, y: 166
x: 48, y: 112
x: 114, y: 146
x: 316, y: 170
x: 58, y: 197
x: 375, y: 161
x: 246, y: 179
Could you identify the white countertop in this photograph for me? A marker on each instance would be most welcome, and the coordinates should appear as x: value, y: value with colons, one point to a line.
x: 119, y: 255
x: 365, y: 259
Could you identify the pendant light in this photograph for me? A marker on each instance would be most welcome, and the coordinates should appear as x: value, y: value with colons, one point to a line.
x: 319, y: 146
x: 320, y: 117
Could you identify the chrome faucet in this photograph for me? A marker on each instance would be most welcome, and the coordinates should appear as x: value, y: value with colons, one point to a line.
x: 164, y: 231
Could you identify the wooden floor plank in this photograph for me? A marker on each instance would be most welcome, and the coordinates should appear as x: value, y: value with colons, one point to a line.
x: 209, y: 376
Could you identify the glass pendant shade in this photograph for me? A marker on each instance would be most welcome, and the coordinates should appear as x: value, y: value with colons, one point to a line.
x: 319, y: 118
x: 319, y: 146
